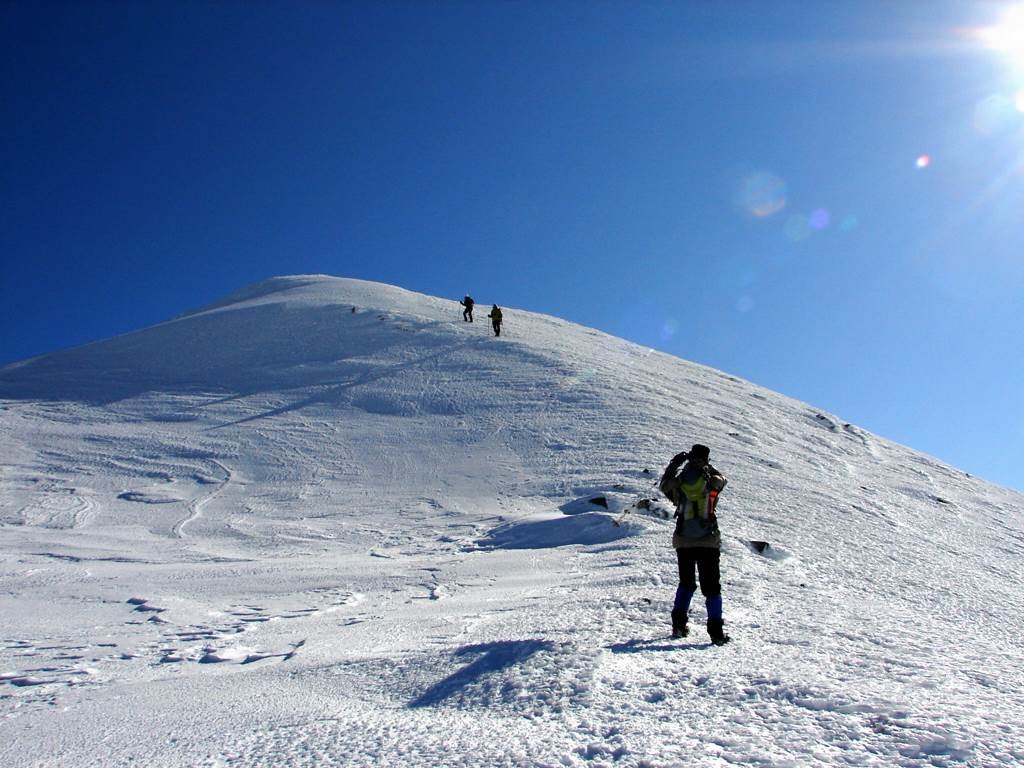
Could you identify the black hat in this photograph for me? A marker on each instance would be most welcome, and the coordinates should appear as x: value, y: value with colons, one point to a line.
x: 700, y: 452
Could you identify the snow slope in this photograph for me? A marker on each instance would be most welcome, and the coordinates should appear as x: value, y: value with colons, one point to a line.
x: 325, y: 522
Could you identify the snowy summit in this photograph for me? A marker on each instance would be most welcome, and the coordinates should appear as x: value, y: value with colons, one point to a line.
x: 329, y: 522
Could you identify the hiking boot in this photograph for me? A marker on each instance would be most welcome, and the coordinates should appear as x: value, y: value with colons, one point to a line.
x: 716, y: 632
x: 679, y: 628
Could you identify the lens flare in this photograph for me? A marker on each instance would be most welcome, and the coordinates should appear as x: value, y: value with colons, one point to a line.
x: 849, y: 223
x: 923, y: 161
x: 819, y: 219
x: 994, y: 114
x: 761, y: 194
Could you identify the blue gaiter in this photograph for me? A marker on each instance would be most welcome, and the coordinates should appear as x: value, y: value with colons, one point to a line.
x: 714, y: 605
x: 683, y: 596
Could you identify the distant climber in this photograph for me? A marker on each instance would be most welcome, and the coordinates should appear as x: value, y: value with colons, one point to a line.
x: 467, y: 313
x: 495, y: 319
x: 693, y: 485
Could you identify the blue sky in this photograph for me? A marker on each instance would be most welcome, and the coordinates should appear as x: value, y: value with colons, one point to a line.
x: 823, y: 198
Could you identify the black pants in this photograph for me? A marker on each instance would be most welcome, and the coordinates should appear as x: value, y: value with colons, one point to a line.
x: 497, y: 327
x: 705, y: 561
x: 467, y: 314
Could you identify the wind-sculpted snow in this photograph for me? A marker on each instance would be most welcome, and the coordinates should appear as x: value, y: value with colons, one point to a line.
x: 591, y: 528
x: 326, y: 522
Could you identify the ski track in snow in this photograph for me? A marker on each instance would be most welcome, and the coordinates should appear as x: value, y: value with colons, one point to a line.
x: 195, y: 507
x: 369, y: 538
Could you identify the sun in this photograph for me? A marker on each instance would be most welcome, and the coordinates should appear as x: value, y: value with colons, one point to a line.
x: 1007, y: 36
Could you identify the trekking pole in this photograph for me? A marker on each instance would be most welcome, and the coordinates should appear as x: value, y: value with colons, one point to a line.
x: 621, y: 518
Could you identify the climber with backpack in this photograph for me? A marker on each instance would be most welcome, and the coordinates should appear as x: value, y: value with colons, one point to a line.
x: 693, y: 485
x: 495, y: 316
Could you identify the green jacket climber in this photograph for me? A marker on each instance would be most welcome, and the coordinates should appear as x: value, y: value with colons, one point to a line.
x: 495, y: 316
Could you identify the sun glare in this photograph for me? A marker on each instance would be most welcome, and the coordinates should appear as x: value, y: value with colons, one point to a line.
x: 1008, y: 35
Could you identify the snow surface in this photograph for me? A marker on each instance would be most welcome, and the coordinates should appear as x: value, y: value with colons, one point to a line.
x: 280, y: 532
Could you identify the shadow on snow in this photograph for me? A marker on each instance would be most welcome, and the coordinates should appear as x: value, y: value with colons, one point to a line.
x: 656, y: 645
x: 491, y: 658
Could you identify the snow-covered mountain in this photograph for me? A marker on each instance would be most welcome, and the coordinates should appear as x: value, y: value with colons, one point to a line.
x: 326, y: 522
